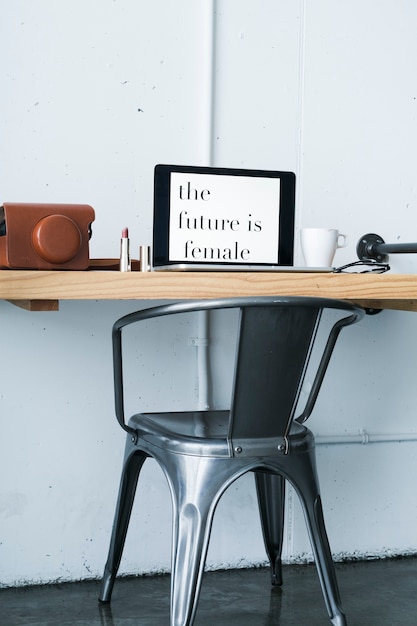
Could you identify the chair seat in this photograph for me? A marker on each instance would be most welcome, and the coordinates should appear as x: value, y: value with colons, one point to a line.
x: 200, y: 433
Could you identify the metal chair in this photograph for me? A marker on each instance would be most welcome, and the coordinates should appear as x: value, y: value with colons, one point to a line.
x: 203, y: 452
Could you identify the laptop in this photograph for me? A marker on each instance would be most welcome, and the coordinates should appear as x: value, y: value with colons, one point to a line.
x: 224, y: 219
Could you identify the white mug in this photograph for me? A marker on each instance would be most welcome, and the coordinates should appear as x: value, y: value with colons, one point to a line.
x: 319, y: 245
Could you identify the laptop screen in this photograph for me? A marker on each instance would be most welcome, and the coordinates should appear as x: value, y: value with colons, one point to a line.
x: 222, y: 216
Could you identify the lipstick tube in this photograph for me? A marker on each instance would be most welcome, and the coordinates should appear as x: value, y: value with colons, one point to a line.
x: 125, y: 252
x: 145, y: 258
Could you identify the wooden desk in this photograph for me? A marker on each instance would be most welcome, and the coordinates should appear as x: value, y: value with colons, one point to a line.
x: 41, y: 291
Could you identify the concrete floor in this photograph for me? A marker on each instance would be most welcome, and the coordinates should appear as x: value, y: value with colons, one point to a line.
x: 374, y: 593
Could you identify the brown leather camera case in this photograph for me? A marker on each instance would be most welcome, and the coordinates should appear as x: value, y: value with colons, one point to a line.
x: 45, y: 236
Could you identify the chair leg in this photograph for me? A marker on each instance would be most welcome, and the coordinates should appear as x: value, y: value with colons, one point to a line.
x: 130, y: 474
x: 326, y: 566
x: 307, y: 486
x: 271, y: 499
x: 196, y: 486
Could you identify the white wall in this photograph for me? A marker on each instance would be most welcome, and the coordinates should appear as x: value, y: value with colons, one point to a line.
x: 94, y: 94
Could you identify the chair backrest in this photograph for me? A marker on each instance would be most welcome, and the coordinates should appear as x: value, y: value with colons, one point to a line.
x: 275, y: 339
x: 274, y: 343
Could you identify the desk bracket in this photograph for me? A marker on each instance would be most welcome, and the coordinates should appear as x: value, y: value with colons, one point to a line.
x: 36, y: 305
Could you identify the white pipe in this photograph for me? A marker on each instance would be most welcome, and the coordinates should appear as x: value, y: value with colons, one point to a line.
x: 299, y: 189
x: 202, y: 343
x: 203, y: 361
x: 208, y: 96
x: 363, y: 437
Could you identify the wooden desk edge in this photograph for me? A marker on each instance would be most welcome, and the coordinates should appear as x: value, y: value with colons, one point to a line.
x: 41, y: 290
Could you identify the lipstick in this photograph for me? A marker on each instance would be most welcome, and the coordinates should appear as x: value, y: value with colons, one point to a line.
x: 124, y: 251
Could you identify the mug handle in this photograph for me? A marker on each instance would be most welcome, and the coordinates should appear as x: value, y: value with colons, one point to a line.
x: 342, y: 240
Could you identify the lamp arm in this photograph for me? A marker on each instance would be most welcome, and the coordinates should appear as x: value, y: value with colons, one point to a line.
x: 372, y: 246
